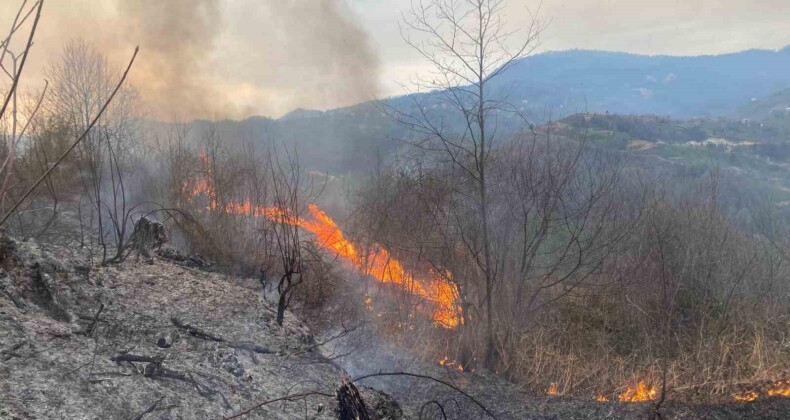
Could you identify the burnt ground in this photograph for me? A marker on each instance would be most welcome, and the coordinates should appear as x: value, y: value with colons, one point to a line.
x: 161, y: 340
x: 505, y: 400
x: 170, y: 342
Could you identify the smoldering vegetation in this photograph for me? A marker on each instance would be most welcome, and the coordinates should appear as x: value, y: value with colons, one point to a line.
x: 450, y: 229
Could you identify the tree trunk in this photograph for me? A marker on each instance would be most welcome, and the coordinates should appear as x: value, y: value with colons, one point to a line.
x: 481, y: 120
x: 281, y: 304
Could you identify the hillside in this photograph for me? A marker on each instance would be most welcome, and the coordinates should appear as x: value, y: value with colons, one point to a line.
x: 753, y: 158
x: 163, y: 340
x: 149, y: 340
x: 774, y: 105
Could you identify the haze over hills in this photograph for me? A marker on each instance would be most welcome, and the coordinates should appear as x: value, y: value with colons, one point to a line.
x: 549, y: 85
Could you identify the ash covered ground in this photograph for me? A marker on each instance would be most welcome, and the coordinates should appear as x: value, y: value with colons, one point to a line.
x: 160, y: 340
x: 170, y: 342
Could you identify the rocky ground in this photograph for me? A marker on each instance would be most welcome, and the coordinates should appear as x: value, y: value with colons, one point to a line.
x: 165, y: 340
x: 154, y: 340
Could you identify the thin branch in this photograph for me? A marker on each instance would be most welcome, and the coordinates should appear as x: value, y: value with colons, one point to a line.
x: 66, y: 153
x: 414, y: 375
x: 289, y: 397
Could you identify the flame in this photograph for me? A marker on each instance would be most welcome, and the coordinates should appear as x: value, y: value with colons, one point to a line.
x: 780, y: 389
x: 601, y: 398
x: 385, y: 268
x: 433, y: 286
x: 746, y: 396
x: 641, y: 393
x: 552, y: 389
x: 446, y: 361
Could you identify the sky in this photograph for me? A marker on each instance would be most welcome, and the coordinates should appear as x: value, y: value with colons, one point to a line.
x: 236, y: 58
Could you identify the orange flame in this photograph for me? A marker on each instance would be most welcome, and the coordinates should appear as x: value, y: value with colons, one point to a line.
x: 385, y: 268
x: 641, y: 393
x: 446, y: 361
x: 601, y: 398
x: 432, y: 286
x: 746, y: 396
x: 780, y: 389
x: 552, y: 390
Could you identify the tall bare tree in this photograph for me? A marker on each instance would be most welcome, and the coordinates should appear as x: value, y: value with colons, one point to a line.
x: 469, y: 45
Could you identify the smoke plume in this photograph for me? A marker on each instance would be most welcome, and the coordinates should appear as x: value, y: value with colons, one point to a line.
x: 220, y: 58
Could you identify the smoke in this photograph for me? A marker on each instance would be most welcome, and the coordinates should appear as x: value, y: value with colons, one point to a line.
x: 176, y: 38
x: 312, y: 53
x: 220, y: 58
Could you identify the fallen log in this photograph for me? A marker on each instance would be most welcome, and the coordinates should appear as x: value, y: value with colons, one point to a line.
x: 127, y: 357
x: 194, y: 331
x: 243, y: 345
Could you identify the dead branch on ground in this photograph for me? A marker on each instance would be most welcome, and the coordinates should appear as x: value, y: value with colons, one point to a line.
x: 414, y: 375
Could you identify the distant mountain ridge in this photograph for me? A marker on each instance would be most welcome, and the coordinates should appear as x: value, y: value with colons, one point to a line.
x: 552, y: 84
x: 621, y: 83
x: 567, y: 82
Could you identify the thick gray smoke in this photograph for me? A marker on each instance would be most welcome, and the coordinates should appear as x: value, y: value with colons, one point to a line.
x: 176, y: 38
x: 220, y: 58
x: 308, y: 53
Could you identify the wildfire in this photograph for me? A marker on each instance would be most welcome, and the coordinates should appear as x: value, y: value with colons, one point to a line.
x: 446, y: 361
x: 385, y: 268
x: 780, y: 389
x: 642, y: 392
x: 432, y: 286
x: 601, y: 398
x: 746, y: 396
x: 552, y: 390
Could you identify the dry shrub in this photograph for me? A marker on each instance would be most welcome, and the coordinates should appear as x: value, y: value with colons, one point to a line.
x: 203, y: 178
x: 669, y: 286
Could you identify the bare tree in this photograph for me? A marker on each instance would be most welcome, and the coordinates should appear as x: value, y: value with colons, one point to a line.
x: 285, y: 178
x: 469, y: 45
x: 82, y: 80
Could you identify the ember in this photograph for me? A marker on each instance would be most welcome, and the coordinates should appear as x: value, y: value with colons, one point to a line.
x: 446, y: 361
x: 552, y: 389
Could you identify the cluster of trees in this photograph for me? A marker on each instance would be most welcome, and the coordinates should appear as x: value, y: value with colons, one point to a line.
x: 572, y: 266
x: 64, y: 140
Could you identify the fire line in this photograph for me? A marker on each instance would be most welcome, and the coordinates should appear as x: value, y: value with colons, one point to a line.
x: 431, y: 286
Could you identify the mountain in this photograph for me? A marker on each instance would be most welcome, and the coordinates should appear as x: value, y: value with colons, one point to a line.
x: 549, y: 85
x: 619, y: 83
x: 774, y: 105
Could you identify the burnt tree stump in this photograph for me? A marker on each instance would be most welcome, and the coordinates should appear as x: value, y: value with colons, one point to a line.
x: 148, y: 235
x: 350, y: 405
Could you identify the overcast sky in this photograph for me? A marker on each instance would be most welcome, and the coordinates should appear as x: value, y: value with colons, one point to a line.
x: 235, y: 58
x: 675, y: 27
